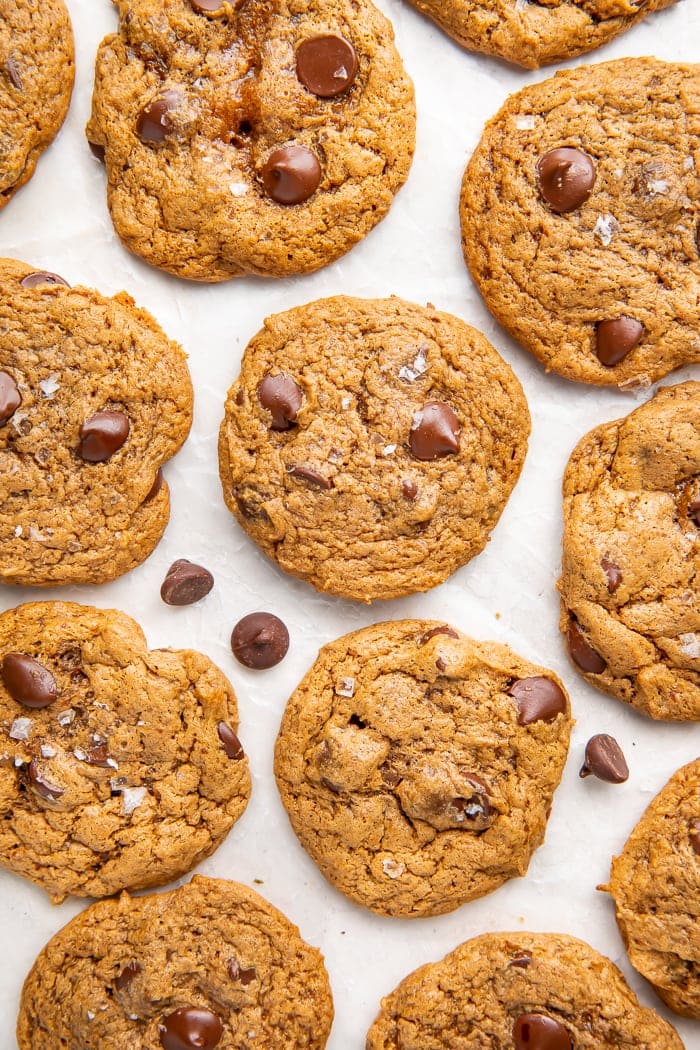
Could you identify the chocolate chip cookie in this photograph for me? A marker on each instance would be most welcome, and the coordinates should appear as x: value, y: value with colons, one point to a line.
x: 94, y: 399
x: 370, y: 446
x: 655, y: 883
x: 630, y: 582
x: 120, y: 767
x: 36, y: 81
x: 580, y: 215
x: 535, y: 33
x: 210, y: 964
x: 519, y: 991
x: 250, y: 136
x: 417, y: 767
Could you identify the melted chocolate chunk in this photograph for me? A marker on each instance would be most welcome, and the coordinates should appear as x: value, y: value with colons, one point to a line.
x: 39, y: 277
x: 10, y: 397
x: 27, y: 681
x: 281, y: 396
x: 582, y: 652
x: 191, y: 1028
x: 298, y: 470
x: 154, y: 122
x: 230, y: 741
x: 565, y: 178
x: 435, y: 431
x: 539, y: 1032
x: 291, y: 174
x: 102, y: 435
x: 538, y: 699
x: 124, y: 979
x: 40, y: 785
x: 616, y: 338
x: 612, y: 572
x: 326, y: 65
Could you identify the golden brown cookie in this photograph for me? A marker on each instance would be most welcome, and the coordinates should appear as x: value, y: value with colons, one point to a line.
x: 518, y: 991
x: 36, y: 81
x: 250, y: 136
x: 208, y: 965
x: 630, y: 582
x: 580, y: 216
x: 370, y: 446
x: 94, y: 399
x: 417, y: 767
x: 120, y: 767
x: 655, y: 883
x: 535, y: 33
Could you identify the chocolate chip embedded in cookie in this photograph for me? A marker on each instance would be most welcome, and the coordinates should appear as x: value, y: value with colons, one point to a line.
x: 629, y: 586
x: 519, y: 991
x: 36, y: 80
x: 580, y: 216
x: 250, y: 138
x: 655, y: 883
x: 406, y: 802
x: 121, y: 767
x: 370, y: 446
x: 94, y: 398
x: 187, y: 970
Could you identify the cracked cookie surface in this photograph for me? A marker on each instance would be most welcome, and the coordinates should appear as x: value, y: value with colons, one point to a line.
x: 580, y: 213
x: 36, y: 81
x: 250, y: 137
x: 370, y: 446
x: 493, y: 986
x: 417, y: 767
x: 631, y: 556
x: 94, y: 399
x: 655, y: 883
x: 209, y: 964
x: 119, y: 767
x: 535, y: 33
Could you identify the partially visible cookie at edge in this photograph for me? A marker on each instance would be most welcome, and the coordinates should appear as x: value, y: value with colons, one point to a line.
x: 630, y: 591
x: 94, y: 399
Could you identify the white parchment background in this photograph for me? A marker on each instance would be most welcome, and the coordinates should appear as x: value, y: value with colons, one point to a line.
x: 59, y: 222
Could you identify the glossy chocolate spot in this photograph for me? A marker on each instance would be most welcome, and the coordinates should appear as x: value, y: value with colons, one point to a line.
x: 102, y: 435
x: 437, y: 630
x: 409, y: 490
x: 472, y: 812
x: 155, y: 487
x: 326, y: 65
x: 27, y: 681
x: 40, y: 785
x: 582, y: 652
x: 231, y: 743
x: 538, y: 1032
x: 236, y: 973
x: 434, y: 432
x: 191, y: 1028
x: 32, y: 280
x: 185, y: 583
x: 207, y: 7
x: 538, y: 699
x: 13, y: 72
x: 605, y: 760
x: 281, y: 396
x: 124, y: 979
x: 612, y: 573
x: 260, y: 640
x: 154, y: 122
x: 616, y: 338
x: 10, y: 397
x: 291, y: 174
x: 565, y: 178
x: 99, y: 756
x: 694, y: 833
x: 298, y: 470
x: 520, y: 960
x: 694, y: 511
x: 97, y: 151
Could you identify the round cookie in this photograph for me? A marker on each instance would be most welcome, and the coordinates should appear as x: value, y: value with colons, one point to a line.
x: 630, y: 589
x: 531, y: 991
x: 210, y: 964
x: 580, y: 220
x: 417, y: 767
x: 533, y: 34
x: 120, y: 767
x: 370, y: 446
x: 94, y: 399
x: 36, y: 81
x: 250, y: 137
x: 655, y: 883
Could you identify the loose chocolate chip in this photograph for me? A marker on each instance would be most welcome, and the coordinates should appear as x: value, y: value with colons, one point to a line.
x: 40, y: 786
x: 155, y: 487
x: 695, y: 835
x: 291, y: 174
x: 207, y: 7
x: 185, y: 583
x: 260, y: 640
x: 124, y: 979
x: 612, y: 572
x: 97, y: 151
x: 582, y: 653
x: 538, y: 1032
x: 298, y: 470
x: 237, y: 974
x: 102, y: 435
x: 538, y: 699
x: 409, y: 490
x: 10, y: 397
x: 438, y: 630
x: 13, y: 73
x: 281, y: 396
x: 232, y: 745
x: 565, y: 178
x: 616, y: 338
x: 605, y: 760
x: 520, y: 960
x: 42, y: 277
x: 435, y: 431
x: 27, y: 681
x: 154, y: 121
x: 694, y: 511
x: 191, y: 1028
x: 326, y: 65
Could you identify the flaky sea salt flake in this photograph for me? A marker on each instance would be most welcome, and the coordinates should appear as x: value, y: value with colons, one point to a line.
x: 690, y: 645
x: 345, y: 687
x: 21, y: 728
x: 64, y: 718
x: 393, y: 868
x: 132, y: 799
x: 50, y: 385
x: 605, y: 228
x: 525, y: 122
